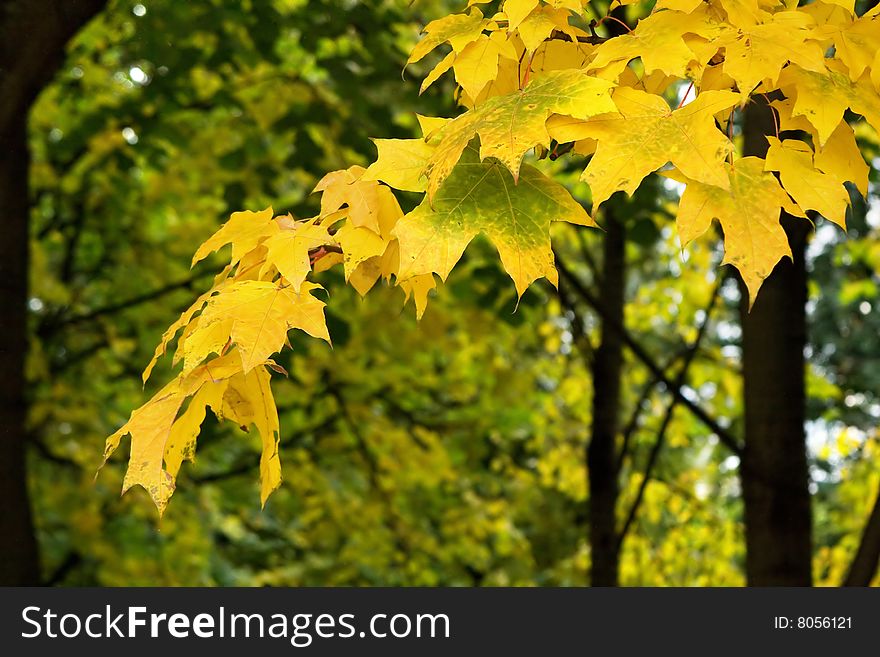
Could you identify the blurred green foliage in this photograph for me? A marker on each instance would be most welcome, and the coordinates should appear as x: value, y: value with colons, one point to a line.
x: 449, y: 451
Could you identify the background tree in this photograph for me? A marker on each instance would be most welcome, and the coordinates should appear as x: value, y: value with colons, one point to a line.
x: 451, y: 451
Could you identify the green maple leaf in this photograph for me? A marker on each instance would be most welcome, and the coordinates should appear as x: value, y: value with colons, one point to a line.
x: 482, y: 197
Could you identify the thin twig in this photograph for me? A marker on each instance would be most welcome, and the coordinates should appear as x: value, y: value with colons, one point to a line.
x: 642, y: 354
x: 680, y: 380
x: 51, y: 327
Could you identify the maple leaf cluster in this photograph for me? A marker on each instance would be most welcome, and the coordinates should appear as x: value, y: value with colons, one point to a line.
x: 661, y: 97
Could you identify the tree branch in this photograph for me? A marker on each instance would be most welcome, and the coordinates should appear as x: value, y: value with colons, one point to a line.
x: 642, y: 354
x: 680, y: 380
x: 50, y: 327
x: 252, y: 461
x: 633, y: 423
x: 394, y: 522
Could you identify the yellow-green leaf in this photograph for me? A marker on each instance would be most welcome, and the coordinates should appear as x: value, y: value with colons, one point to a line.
x: 510, y: 125
x: 482, y: 197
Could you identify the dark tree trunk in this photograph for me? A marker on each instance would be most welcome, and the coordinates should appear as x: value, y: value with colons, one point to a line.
x: 774, y: 471
x: 33, y: 36
x: 18, y: 551
x: 607, y: 366
x: 864, y: 564
x: 606, y: 370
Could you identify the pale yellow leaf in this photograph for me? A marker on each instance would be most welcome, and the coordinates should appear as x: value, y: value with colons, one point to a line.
x: 244, y: 230
x: 811, y: 189
x: 400, y: 163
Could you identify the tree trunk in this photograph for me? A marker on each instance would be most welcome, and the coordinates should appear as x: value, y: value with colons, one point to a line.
x: 774, y: 471
x: 864, y: 564
x: 18, y: 564
x: 33, y: 36
x: 607, y: 366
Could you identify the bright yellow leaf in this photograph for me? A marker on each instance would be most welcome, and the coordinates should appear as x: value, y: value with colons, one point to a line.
x: 477, y: 65
x: 856, y: 40
x: 841, y: 157
x: 517, y: 10
x: 759, y: 52
x: 417, y: 289
x: 288, y: 250
x: 150, y: 427
x: 358, y: 244
x: 369, y: 203
x: 400, y: 163
x: 458, y: 30
x: 811, y: 189
x: 443, y: 65
x: 244, y: 230
x: 658, y: 41
x: 749, y: 212
x: 255, y: 316
x: 648, y: 133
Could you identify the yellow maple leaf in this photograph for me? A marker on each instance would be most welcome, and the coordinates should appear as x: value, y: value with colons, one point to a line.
x: 841, y: 157
x: 686, y: 6
x: 288, y: 250
x: 442, y: 66
x: 510, y: 125
x: 558, y: 55
x: 369, y: 203
x: 400, y: 163
x: 856, y: 40
x: 537, y: 27
x: 181, y: 443
x: 810, y: 188
x: 749, y: 212
x: 162, y: 437
x: 822, y: 98
x: 509, y: 78
x: 358, y: 244
x: 745, y: 13
x: 477, y: 64
x: 759, y: 52
x: 417, y: 289
x: 255, y: 316
x: 658, y: 41
x: 368, y: 272
x: 150, y: 428
x: 517, y: 10
x: 172, y: 330
x: 430, y: 125
x: 458, y: 30
x: 648, y: 133
x: 244, y: 230
x: 247, y: 400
